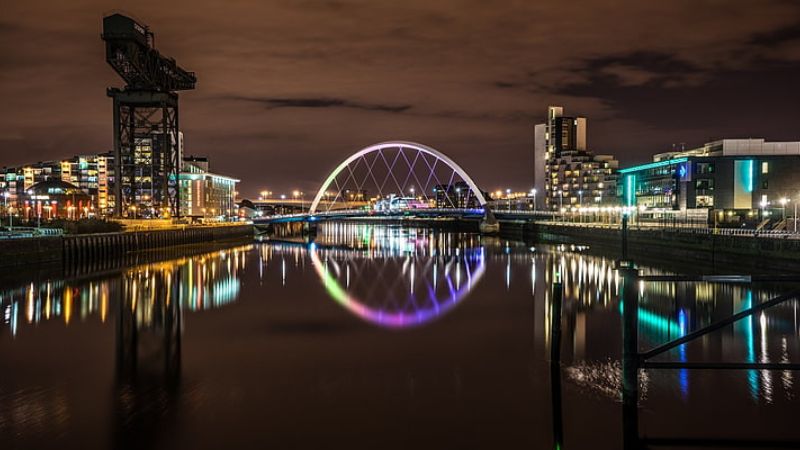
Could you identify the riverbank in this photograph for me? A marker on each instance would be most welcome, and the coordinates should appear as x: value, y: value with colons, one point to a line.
x: 685, y: 245
x: 86, y: 249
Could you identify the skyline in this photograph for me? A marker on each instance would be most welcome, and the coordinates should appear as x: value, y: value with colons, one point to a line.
x: 284, y: 89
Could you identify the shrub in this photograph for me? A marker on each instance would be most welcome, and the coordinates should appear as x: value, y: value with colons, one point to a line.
x: 84, y: 226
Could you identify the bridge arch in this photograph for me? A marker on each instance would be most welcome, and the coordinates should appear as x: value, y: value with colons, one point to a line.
x: 439, y: 156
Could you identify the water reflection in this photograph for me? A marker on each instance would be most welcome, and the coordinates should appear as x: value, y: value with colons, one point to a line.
x: 149, y: 325
x: 390, y: 276
x: 198, y: 282
x: 261, y: 367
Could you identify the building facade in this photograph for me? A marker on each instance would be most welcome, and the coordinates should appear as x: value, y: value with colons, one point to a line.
x: 91, y: 174
x: 565, y: 170
x: 731, y: 181
x: 204, y: 194
x: 147, y: 178
x: 53, y: 199
x: 455, y: 195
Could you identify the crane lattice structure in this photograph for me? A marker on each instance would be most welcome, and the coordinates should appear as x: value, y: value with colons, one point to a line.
x: 147, y: 141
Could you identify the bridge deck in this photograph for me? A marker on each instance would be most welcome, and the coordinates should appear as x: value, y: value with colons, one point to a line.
x: 422, y: 213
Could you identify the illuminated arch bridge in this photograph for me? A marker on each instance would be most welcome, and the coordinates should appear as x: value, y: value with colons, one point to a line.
x: 395, y: 178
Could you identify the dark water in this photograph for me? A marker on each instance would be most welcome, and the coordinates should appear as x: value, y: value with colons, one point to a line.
x: 378, y: 338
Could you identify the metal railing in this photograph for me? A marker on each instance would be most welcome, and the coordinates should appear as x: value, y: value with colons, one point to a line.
x: 28, y: 232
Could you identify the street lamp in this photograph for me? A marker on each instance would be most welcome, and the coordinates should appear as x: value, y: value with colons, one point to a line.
x: 795, y: 216
x: 6, y: 194
x: 580, y: 205
x: 508, y: 198
x: 296, y: 194
x: 783, y: 201
x: 533, y: 191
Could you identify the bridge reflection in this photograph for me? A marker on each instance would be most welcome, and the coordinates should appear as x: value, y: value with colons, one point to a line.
x: 394, y: 277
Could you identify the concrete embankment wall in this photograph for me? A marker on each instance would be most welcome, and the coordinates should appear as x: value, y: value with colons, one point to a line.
x: 79, y: 249
x: 684, y: 245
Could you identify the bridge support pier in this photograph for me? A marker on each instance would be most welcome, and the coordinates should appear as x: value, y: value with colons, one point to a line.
x: 489, y: 224
x: 310, y: 229
x: 489, y: 227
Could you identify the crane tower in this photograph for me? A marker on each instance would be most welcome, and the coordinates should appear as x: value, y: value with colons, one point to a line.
x: 147, y: 140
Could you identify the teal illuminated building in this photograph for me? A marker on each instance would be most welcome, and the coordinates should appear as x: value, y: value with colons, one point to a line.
x: 731, y: 181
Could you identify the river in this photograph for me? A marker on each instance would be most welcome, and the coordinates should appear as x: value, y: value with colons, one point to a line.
x: 379, y: 337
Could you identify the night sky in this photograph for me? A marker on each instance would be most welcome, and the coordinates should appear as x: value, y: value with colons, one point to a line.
x: 288, y: 88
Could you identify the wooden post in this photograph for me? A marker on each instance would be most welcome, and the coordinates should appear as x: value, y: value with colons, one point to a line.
x: 630, y: 354
x: 555, y: 320
x: 624, y: 237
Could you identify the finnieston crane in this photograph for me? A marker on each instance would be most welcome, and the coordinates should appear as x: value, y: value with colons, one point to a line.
x: 147, y: 141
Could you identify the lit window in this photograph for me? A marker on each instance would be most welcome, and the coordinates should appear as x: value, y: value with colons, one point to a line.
x: 764, y: 167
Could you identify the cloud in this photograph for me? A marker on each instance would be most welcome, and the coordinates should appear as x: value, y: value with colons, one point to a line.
x: 275, y: 103
x: 284, y: 82
x: 645, y: 68
x: 777, y: 36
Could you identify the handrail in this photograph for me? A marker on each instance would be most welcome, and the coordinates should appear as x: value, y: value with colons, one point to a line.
x: 717, y: 325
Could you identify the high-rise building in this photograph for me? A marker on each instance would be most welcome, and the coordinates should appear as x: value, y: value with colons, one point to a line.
x: 568, y: 174
x: 105, y: 183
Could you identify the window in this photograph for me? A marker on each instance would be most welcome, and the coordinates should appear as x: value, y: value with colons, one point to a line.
x: 765, y: 184
x: 764, y: 167
x: 705, y: 200
x: 705, y: 167
x: 704, y: 184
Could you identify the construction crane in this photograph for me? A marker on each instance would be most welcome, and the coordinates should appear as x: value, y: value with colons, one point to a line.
x: 147, y: 140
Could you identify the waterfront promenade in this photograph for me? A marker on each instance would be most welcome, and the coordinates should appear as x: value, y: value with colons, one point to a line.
x: 83, y: 249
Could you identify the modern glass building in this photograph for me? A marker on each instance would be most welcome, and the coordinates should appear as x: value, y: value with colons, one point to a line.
x: 733, y: 181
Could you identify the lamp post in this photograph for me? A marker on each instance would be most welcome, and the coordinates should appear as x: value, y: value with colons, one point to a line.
x: 795, y: 216
x: 783, y: 201
x: 508, y: 198
x: 296, y: 194
x: 533, y: 191
x: 6, y: 194
x: 580, y: 206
